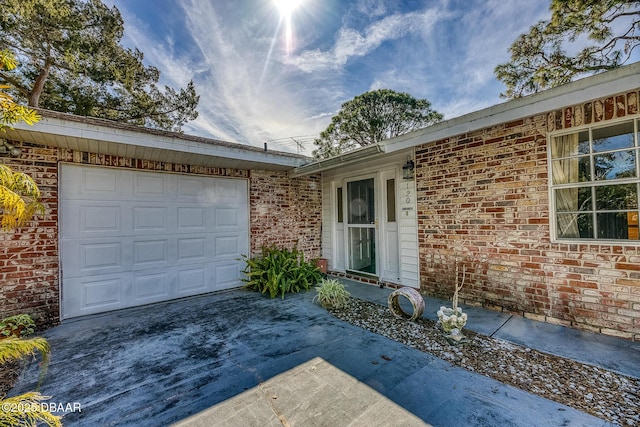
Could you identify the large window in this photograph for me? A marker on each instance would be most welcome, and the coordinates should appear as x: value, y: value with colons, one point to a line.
x: 594, y: 183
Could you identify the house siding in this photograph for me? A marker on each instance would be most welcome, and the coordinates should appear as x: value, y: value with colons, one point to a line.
x: 408, y: 233
x: 282, y: 212
x: 483, y: 201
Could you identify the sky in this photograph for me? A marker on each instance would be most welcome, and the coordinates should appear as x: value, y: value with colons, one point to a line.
x: 267, y: 75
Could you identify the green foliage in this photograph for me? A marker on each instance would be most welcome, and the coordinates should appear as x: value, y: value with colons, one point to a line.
x: 26, y: 410
x: 23, y: 410
x: 332, y: 294
x: 540, y: 58
x: 19, y: 198
x: 280, y: 271
x: 10, y: 112
x: 17, y: 326
x: 372, y: 117
x: 71, y: 61
x: 12, y: 348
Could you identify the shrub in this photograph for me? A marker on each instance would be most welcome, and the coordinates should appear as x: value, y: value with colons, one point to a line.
x: 25, y: 409
x: 332, y: 294
x: 17, y: 326
x: 280, y: 271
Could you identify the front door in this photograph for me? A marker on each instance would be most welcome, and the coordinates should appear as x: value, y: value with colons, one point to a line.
x: 361, y: 226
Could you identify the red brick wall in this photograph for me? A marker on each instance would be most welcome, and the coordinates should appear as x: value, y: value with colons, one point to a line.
x: 283, y: 211
x: 483, y: 200
x: 29, y: 255
x: 286, y: 212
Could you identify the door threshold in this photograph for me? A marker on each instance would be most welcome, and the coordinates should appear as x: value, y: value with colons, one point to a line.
x: 363, y: 274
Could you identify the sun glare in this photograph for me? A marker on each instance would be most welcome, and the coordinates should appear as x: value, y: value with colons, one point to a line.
x: 287, y: 6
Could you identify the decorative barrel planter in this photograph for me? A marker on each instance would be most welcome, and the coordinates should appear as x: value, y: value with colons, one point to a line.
x: 414, y: 298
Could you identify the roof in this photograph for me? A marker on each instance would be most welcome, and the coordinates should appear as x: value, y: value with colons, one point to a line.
x: 119, y: 139
x: 579, y: 91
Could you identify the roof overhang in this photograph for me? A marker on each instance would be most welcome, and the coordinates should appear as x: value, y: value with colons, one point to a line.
x: 587, y: 89
x: 369, y: 152
x: 116, y: 139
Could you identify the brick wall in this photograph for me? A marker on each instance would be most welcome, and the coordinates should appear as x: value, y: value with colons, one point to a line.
x: 483, y: 200
x: 286, y: 212
x: 283, y: 211
x: 29, y: 255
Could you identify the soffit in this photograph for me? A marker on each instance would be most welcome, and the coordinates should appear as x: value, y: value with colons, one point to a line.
x: 115, y: 139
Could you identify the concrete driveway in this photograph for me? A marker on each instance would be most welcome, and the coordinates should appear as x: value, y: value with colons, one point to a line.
x: 239, y: 358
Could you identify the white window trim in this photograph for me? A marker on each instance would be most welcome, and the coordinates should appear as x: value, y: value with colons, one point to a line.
x: 552, y: 202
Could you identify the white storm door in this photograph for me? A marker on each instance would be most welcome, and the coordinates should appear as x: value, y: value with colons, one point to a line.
x: 361, y: 226
x: 131, y: 237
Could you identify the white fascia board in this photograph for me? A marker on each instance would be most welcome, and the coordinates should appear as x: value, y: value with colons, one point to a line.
x: 364, y: 153
x: 88, y: 131
x: 583, y: 90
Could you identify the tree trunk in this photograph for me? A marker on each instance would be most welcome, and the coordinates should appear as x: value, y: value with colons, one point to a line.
x: 38, y: 85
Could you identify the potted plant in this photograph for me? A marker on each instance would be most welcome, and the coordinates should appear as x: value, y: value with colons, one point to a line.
x: 332, y: 294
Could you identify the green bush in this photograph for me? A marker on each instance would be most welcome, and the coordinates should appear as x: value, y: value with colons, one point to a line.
x: 332, y: 294
x: 280, y: 271
x: 17, y: 326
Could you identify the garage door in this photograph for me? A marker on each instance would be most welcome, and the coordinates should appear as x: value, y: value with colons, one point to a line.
x: 130, y: 238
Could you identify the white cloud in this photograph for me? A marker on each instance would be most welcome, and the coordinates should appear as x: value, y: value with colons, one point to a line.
x: 353, y: 43
x: 252, y: 91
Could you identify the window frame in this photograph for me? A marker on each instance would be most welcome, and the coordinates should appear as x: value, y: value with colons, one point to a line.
x: 592, y: 183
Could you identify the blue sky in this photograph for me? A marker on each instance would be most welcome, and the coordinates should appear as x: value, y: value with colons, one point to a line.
x: 256, y: 85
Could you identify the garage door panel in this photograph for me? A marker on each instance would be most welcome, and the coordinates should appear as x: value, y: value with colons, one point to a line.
x: 191, y: 189
x: 142, y: 237
x: 226, y: 247
x: 87, y: 183
x: 150, y: 253
x: 192, y: 218
x: 192, y: 281
x: 90, y: 258
x: 228, y: 275
x: 150, y: 218
x: 227, y: 217
x: 151, y: 287
x: 101, y: 256
x: 193, y: 249
x: 152, y: 186
x: 93, y: 294
x: 227, y: 190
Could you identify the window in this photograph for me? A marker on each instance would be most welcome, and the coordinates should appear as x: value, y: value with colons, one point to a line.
x: 594, y: 183
x: 339, y: 204
x: 391, y: 200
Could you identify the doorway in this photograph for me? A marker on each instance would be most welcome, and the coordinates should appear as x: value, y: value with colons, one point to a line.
x: 361, y: 226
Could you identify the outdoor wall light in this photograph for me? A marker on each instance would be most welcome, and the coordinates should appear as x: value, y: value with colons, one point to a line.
x: 8, y: 148
x: 407, y: 169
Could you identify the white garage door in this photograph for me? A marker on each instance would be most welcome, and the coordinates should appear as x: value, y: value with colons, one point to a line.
x: 130, y: 238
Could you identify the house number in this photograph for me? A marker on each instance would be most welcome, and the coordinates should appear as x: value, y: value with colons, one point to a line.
x: 407, y: 200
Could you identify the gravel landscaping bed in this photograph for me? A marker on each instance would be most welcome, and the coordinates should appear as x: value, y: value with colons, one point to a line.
x: 604, y: 394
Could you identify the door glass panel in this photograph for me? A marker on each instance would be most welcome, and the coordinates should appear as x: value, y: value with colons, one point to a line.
x: 339, y: 203
x: 391, y: 200
x: 362, y: 249
x: 360, y: 199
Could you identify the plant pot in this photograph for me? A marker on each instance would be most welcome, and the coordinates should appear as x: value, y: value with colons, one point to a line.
x: 323, y: 265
